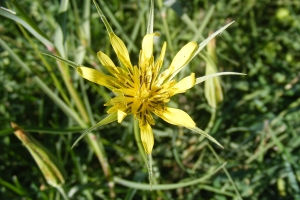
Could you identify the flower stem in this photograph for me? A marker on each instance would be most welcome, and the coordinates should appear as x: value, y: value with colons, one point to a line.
x: 62, y: 192
x: 150, y: 172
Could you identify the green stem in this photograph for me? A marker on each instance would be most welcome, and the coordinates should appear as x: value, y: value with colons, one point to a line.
x: 226, y: 172
x: 165, y: 26
x: 147, y: 161
x: 211, y: 120
x: 142, y: 186
x: 64, y: 69
x: 98, y: 147
x: 47, y: 65
x: 138, y: 140
x: 96, y: 144
x: 208, y: 127
x: 62, y: 192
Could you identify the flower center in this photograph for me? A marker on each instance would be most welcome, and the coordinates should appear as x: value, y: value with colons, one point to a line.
x: 145, y: 94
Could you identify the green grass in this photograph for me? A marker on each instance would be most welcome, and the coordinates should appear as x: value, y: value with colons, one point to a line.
x: 258, y: 123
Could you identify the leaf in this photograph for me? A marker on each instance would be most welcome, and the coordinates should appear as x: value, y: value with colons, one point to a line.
x: 202, y: 45
x: 34, y: 30
x: 198, y: 130
x: 151, y: 18
x: 110, y: 118
x: 204, y: 78
x: 60, y: 31
x: 68, y: 62
x: 50, y: 166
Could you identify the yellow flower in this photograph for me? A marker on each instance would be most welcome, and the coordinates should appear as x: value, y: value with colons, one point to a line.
x: 141, y: 89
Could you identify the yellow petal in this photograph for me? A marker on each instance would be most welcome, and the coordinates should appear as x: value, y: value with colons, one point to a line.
x: 185, y: 84
x: 159, y: 61
x: 147, y: 137
x: 162, y: 54
x: 176, y: 117
x: 136, y: 106
x: 183, y: 56
x: 120, y: 50
x: 95, y: 76
x: 107, y: 63
x: 121, y: 116
x: 147, y: 45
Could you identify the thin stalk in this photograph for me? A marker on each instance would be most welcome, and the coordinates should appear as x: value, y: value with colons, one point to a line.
x: 211, y: 120
x: 226, y: 172
x: 64, y: 69
x: 91, y: 139
x: 166, y: 26
x: 204, y: 22
x: 98, y: 147
x: 82, y: 177
x: 153, y: 182
x: 138, y: 141
x: 47, y: 65
x: 62, y: 192
x: 114, y: 21
x: 209, y: 125
x: 142, y: 186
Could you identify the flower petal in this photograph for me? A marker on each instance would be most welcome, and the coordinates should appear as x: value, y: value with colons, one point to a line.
x: 110, y: 118
x: 176, y: 117
x: 159, y: 61
x: 107, y: 63
x: 147, y: 45
x: 120, y: 50
x: 94, y: 76
x: 136, y: 106
x: 147, y: 137
x: 183, y: 56
x: 185, y: 84
x: 179, y: 61
x: 121, y: 116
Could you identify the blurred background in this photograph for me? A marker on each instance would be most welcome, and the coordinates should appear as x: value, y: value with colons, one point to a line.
x: 257, y: 122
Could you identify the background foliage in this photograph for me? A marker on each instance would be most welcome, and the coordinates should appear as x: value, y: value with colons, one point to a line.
x: 257, y: 123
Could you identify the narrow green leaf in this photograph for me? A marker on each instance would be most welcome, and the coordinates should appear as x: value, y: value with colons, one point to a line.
x: 198, y: 130
x: 49, y: 165
x: 198, y: 34
x: 103, y: 18
x: 204, y: 78
x: 60, y: 32
x: 14, y: 56
x: 202, y: 45
x: 33, y: 30
x: 24, y: 15
x: 110, y: 118
x: 12, y: 187
x: 115, y: 22
x: 61, y: 104
x: 141, y: 186
x: 151, y: 18
x: 68, y: 62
